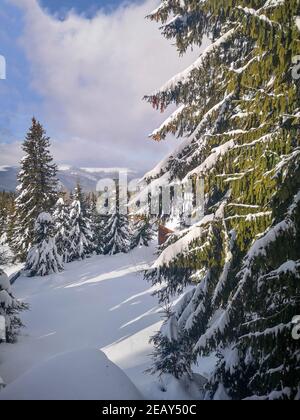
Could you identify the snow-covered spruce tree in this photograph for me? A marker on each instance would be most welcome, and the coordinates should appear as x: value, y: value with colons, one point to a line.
x: 259, y: 359
x: 81, y: 236
x: 10, y: 307
x: 37, y: 189
x: 143, y: 232
x: 43, y: 258
x: 239, y: 113
x: 61, y: 220
x: 97, y: 225
x: 171, y: 353
x: 117, y: 234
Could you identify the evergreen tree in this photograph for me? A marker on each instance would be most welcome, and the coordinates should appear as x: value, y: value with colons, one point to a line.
x: 7, y: 207
x: 261, y: 358
x: 239, y: 113
x: 117, y: 234
x: 6, y: 217
x: 171, y: 352
x: 97, y: 225
x: 43, y: 258
x: 37, y: 190
x: 143, y: 232
x: 10, y: 308
x: 61, y: 219
x: 81, y: 237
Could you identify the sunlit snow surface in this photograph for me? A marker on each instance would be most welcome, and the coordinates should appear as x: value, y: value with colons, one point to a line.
x: 101, y: 303
x: 80, y: 375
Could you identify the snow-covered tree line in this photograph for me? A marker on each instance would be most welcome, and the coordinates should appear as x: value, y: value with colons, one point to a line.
x: 237, y: 270
x: 48, y: 228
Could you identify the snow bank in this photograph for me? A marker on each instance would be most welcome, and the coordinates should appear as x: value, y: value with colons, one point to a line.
x: 80, y: 375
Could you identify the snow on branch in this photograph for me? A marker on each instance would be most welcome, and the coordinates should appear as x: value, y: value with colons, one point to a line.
x: 290, y: 266
x: 163, y: 165
x: 184, y: 76
x: 156, y: 14
x: 270, y: 4
x: 256, y: 13
x: 258, y: 248
x: 182, y: 245
x: 170, y: 124
x: 212, y: 159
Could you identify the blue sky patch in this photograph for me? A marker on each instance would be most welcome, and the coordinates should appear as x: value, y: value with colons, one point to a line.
x: 88, y: 8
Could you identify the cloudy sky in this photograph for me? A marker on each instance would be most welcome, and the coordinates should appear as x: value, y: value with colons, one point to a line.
x: 82, y: 67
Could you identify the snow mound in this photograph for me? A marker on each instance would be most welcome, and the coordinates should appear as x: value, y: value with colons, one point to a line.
x: 80, y: 375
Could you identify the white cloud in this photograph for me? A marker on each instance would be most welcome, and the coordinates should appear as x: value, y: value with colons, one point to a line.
x: 92, y: 75
x: 10, y: 153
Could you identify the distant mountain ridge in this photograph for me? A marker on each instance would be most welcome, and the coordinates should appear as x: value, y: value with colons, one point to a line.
x: 68, y: 176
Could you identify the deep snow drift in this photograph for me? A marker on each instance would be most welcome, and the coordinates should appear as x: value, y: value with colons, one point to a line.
x: 80, y: 375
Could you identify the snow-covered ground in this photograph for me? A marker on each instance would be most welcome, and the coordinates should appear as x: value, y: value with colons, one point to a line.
x: 102, y: 303
x: 79, y: 375
x: 99, y: 303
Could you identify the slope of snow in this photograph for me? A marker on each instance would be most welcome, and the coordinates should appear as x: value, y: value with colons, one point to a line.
x: 101, y: 303
x: 92, y: 304
x: 80, y: 375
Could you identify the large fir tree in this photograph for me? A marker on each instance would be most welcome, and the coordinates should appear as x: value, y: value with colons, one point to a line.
x: 239, y: 113
x: 37, y: 189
